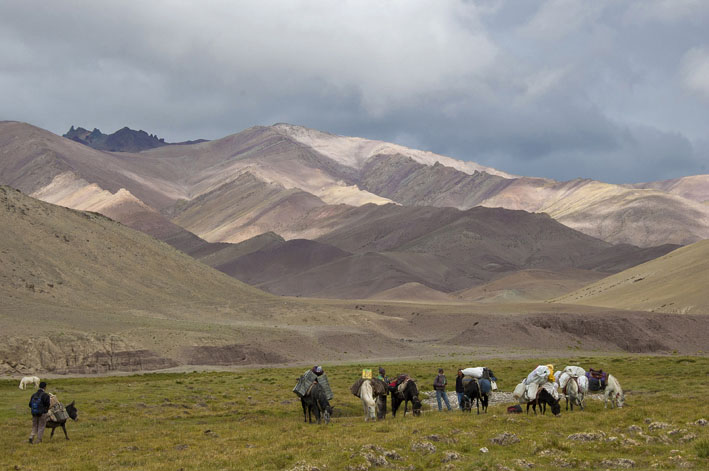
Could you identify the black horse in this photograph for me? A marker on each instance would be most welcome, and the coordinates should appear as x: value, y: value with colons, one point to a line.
x: 315, y: 402
x: 410, y: 393
x: 473, y: 394
x: 73, y: 415
x: 543, y: 399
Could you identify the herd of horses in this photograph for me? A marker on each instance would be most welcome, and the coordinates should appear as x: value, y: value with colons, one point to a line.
x: 373, y: 394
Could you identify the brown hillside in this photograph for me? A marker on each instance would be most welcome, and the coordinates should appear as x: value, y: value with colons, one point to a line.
x: 413, y: 293
x: 529, y: 285
x: 281, y: 260
x: 674, y: 283
x: 82, y: 293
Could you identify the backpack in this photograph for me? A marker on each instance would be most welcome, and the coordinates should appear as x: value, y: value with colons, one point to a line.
x: 36, y: 405
x: 516, y: 409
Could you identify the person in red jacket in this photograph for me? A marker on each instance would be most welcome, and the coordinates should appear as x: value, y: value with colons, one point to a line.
x: 39, y: 405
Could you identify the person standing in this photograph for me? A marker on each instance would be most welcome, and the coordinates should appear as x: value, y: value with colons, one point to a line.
x: 459, y: 390
x: 39, y: 405
x: 439, y: 385
x: 382, y: 375
x: 382, y: 400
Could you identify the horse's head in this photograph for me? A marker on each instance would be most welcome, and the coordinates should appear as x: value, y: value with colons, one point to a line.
x: 620, y: 399
x: 556, y: 408
x: 416, y: 405
x: 72, y: 411
x: 327, y: 413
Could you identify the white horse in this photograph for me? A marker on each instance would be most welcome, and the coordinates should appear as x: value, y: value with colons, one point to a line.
x: 29, y: 380
x: 366, y: 393
x: 614, y: 392
x: 574, y: 389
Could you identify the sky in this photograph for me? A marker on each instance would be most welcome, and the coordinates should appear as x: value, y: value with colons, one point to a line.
x: 614, y: 90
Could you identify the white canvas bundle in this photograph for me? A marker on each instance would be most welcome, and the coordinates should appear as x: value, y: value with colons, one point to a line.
x: 531, y: 391
x: 476, y: 372
x: 539, y: 376
x: 551, y: 389
x: 575, y: 371
x: 525, y: 393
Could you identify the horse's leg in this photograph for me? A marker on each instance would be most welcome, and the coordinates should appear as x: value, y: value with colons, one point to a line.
x: 64, y: 429
x: 52, y: 434
x: 406, y: 406
x: 477, y: 403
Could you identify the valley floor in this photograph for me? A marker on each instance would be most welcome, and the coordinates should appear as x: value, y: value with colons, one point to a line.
x: 250, y: 419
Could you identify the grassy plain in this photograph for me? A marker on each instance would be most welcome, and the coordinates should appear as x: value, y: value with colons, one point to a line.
x: 250, y: 419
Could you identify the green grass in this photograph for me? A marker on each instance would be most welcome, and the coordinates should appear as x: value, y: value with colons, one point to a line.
x: 251, y: 420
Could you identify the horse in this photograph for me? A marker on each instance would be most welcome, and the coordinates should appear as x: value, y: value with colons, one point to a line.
x: 369, y: 392
x: 409, y: 393
x: 543, y: 398
x: 315, y: 402
x: 614, y: 392
x: 574, y: 389
x: 29, y: 380
x: 71, y: 412
x: 473, y: 393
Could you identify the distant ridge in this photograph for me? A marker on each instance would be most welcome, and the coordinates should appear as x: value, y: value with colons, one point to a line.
x: 674, y: 283
x: 123, y: 140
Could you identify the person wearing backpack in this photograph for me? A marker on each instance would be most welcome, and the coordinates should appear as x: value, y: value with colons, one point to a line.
x: 39, y: 405
x: 439, y: 385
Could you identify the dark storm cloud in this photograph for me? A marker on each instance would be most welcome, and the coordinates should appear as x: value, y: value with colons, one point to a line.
x: 613, y: 90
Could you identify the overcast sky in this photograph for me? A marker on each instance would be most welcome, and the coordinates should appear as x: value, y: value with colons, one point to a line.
x: 611, y: 90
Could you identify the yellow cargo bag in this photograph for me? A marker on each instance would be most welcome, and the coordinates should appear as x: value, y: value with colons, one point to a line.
x: 551, y: 373
x: 367, y: 373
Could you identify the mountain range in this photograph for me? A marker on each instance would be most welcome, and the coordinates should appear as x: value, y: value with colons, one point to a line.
x: 347, y: 217
x: 173, y: 255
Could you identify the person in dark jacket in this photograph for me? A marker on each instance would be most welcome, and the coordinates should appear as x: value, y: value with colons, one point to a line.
x: 39, y: 405
x: 382, y: 400
x: 383, y: 375
x: 439, y: 384
x: 459, y: 388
